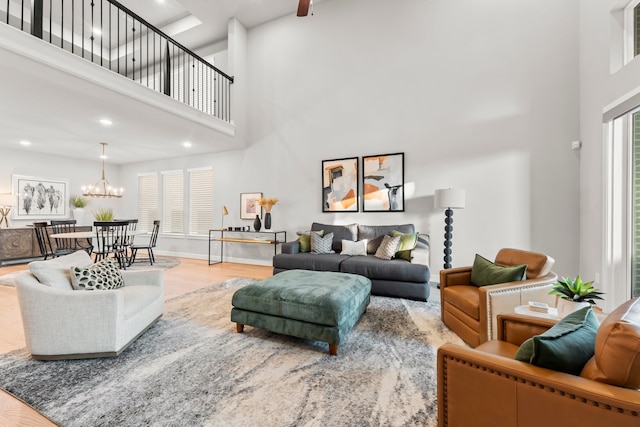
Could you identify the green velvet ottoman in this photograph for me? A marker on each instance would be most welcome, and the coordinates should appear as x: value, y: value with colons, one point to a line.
x: 316, y: 305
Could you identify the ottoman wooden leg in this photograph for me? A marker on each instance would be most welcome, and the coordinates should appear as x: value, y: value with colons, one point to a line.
x: 333, y: 349
x: 239, y: 328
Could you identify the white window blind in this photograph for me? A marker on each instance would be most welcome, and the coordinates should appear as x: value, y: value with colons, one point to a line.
x: 635, y: 205
x: 147, y: 201
x: 173, y: 202
x: 200, y: 201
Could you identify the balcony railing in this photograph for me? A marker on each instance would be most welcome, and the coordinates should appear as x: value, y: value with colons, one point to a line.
x: 107, y: 33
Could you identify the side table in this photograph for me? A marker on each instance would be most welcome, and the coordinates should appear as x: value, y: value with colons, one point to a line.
x: 268, y: 237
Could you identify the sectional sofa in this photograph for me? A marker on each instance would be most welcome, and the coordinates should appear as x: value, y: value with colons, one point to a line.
x: 396, y: 277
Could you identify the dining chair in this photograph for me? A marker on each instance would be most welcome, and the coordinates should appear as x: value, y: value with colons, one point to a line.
x: 69, y: 244
x: 147, y: 246
x: 111, y: 238
x: 44, y: 243
x: 131, y: 233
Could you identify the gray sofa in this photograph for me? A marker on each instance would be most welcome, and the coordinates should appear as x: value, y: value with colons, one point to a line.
x: 394, y: 278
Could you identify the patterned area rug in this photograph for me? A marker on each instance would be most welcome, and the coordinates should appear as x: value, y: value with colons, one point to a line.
x: 161, y: 263
x: 192, y: 368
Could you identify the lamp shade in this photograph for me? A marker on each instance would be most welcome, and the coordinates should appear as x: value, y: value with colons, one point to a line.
x: 449, y: 198
x: 8, y: 200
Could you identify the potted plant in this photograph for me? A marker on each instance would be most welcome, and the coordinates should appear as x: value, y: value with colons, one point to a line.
x: 103, y: 214
x: 78, y: 203
x: 574, y: 294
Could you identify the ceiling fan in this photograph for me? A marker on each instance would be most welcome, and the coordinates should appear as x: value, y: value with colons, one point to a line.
x: 303, y: 7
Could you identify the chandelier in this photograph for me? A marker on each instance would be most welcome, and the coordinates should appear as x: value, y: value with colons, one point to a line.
x: 102, y: 188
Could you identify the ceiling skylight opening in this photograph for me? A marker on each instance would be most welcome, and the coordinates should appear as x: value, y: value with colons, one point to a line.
x: 25, y: 143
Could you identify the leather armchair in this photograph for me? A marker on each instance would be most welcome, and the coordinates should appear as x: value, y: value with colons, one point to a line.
x: 471, y: 311
x: 487, y: 387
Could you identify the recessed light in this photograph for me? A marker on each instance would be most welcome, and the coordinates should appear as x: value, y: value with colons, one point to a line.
x: 25, y: 143
x: 106, y: 122
x: 186, y: 144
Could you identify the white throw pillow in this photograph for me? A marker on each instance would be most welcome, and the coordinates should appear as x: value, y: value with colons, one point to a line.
x: 55, y: 272
x: 350, y: 247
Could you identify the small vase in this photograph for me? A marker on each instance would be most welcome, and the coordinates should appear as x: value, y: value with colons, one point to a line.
x: 257, y: 224
x: 566, y: 307
x: 267, y: 221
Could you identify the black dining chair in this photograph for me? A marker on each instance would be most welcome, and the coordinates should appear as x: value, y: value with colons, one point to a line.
x: 111, y: 238
x: 147, y: 246
x: 42, y: 236
x: 131, y: 233
x: 69, y: 244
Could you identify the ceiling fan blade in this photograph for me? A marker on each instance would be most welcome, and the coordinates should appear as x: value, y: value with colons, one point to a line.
x: 303, y: 7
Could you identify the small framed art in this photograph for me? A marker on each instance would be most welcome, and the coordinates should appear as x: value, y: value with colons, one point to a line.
x: 340, y: 185
x: 383, y: 183
x: 249, y: 207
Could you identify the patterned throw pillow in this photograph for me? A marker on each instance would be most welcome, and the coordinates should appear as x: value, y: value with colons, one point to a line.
x: 304, y: 238
x: 388, y: 247
x: 321, y: 245
x: 101, y: 275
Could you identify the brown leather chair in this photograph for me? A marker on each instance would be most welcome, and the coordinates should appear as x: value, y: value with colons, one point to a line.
x: 471, y: 311
x: 486, y: 386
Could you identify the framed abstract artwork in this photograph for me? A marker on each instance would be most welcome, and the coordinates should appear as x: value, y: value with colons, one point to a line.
x: 340, y: 185
x: 383, y: 183
x: 40, y: 198
x: 249, y: 207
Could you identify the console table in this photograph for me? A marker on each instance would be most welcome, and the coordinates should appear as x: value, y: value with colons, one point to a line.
x: 18, y: 244
x: 267, y: 237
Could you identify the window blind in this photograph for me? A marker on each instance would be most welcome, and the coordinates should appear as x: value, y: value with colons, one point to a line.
x: 147, y: 201
x: 173, y: 202
x: 636, y: 30
x: 635, y: 196
x: 200, y: 201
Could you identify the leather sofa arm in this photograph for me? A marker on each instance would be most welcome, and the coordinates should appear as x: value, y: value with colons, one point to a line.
x: 455, y: 276
x: 517, y: 328
x: 483, y: 389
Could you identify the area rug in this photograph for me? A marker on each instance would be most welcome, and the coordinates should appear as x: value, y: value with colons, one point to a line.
x: 192, y: 368
x: 161, y: 263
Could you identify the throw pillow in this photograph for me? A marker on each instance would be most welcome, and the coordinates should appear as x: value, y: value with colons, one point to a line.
x: 484, y: 272
x: 566, y: 346
x: 388, y: 247
x: 321, y: 245
x: 354, y: 248
x: 305, y: 239
x: 408, y: 242
x: 55, y: 272
x: 102, y: 275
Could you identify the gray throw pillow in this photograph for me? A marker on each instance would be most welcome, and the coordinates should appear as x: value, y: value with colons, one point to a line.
x: 321, y: 245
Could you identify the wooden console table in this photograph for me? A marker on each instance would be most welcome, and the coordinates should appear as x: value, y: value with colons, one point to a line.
x: 271, y: 238
x: 18, y: 244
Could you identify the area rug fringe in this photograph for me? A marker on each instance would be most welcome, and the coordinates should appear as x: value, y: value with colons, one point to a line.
x: 192, y: 368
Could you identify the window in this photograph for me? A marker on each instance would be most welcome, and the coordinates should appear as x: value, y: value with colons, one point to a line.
x: 173, y: 202
x: 632, y: 30
x: 200, y: 201
x: 147, y: 201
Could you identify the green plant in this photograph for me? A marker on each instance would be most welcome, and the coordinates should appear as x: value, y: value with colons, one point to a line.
x: 103, y: 214
x: 575, y: 290
x: 79, y: 201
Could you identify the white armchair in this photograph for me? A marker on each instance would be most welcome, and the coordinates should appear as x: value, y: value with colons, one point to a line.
x: 62, y: 323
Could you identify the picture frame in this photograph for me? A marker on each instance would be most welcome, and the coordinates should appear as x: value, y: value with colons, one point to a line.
x: 40, y: 198
x: 249, y: 207
x: 340, y: 185
x: 383, y: 183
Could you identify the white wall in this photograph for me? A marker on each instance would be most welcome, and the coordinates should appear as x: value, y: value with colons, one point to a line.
x: 601, y: 84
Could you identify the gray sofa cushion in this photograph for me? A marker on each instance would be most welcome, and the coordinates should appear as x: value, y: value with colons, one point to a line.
x: 340, y: 232
x: 375, y: 233
x: 309, y: 261
x: 396, y: 269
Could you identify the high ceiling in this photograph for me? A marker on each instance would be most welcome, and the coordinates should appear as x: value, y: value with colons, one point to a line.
x: 59, y: 114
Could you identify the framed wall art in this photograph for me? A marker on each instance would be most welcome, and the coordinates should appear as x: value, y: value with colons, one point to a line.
x: 340, y: 185
x: 383, y: 183
x: 40, y: 198
x: 249, y: 207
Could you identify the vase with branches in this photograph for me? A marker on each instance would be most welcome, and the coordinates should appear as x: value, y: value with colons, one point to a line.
x: 267, y: 204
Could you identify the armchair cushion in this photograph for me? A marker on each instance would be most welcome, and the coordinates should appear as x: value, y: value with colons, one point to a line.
x: 565, y: 347
x: 101, y: 275
x: 55, y: 272
x: 617, y: 348
x: 485, y: 272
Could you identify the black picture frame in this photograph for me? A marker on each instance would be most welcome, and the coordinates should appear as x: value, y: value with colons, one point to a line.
x: 383, y: 183
x: 340, y: 185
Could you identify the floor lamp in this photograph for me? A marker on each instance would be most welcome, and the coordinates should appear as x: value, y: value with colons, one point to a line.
x: 449, y: 199
x: 225, y: 212
x: 6, y: 202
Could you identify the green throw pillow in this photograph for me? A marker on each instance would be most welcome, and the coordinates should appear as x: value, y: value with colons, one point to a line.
x: 408, y: 242
x: 565, y: 347
x: 305, y: 240
x: 484, y: 272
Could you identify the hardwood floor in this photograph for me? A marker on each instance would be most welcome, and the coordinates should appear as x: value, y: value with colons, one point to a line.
x: 189, y: 276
